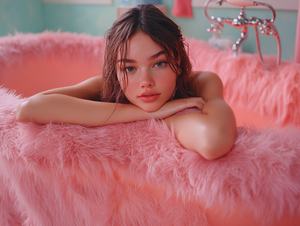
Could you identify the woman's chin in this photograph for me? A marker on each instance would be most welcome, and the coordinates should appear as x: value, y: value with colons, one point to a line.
x: 150, y: 109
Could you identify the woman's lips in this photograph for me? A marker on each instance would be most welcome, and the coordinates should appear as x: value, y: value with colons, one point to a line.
x: 149, y: 96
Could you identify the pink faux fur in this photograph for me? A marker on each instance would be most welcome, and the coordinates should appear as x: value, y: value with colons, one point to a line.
x: 273, y: 94
x: 138, y: 174
x: 20, y: 47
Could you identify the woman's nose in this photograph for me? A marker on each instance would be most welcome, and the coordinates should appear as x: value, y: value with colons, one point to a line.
x: 146, y: 80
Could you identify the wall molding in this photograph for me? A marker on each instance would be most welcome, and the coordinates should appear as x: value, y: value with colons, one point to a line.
x: 79, y: 2
x: 277, y: 4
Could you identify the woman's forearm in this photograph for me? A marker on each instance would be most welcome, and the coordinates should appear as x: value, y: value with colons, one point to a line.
x: 220, y: 124
x: 58, y: 108
x: 211, y: 132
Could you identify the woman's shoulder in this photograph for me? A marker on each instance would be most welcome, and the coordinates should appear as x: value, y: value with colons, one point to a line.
x: 207, y: 84
x: 203, y: 76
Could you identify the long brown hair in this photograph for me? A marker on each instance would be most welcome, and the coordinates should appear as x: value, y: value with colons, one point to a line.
x: 162, y: 30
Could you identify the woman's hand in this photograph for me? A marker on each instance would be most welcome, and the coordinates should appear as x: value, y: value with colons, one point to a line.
x: 174, y: 106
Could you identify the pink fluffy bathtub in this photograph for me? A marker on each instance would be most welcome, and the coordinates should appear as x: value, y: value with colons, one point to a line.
x: 137, y: 173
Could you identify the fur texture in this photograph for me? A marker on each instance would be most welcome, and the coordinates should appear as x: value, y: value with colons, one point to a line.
x: 248, y: 85
x: 17, y: 49
x: 138, y: 174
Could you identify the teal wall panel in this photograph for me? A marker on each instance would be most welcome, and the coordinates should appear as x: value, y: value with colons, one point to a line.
x: 90, y: 19
x: 21, y: 15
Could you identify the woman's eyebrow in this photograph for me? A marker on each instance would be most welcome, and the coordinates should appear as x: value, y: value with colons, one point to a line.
x: 157, y: 55
x: 126, y: 60
x: 150, y: 58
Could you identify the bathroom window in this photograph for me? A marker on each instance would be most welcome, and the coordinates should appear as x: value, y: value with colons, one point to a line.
x: 83, y: 2
x: 277, y: 4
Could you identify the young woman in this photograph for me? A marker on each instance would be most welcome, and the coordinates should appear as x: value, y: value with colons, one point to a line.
x: 146, y: 74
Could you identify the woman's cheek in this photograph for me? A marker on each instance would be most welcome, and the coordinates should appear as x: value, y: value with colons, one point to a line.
x: 129, y: 89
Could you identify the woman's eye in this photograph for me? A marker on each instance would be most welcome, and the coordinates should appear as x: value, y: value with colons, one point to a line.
x: 129, y: 69
x: 160, y: 64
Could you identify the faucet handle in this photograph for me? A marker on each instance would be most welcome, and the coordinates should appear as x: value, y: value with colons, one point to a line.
x: 216, y: 25
x: 268, y: 28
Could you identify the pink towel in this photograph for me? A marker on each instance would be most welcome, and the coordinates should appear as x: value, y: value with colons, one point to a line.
x: 182, y: 8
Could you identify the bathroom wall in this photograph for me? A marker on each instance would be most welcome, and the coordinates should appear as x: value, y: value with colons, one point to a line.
x: 286, y: 22
x: 21, y: 15
x: 35, y: 16
x: 90, y: 19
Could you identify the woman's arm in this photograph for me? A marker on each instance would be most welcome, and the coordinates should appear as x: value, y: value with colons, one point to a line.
x: 43, y: 108
x: 75, y: 105
x: 212, y: 132
x: 59, y: 108
x: 89, y: 89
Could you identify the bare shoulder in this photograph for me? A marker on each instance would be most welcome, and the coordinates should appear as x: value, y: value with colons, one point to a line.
x: 87, y: 89
x: 207, y: 84
x: 92, y: 82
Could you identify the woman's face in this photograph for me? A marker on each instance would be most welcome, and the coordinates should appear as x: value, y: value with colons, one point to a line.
x: 151, y: 82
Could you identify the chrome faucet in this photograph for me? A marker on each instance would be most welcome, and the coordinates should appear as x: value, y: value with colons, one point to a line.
x: 241, y: 22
